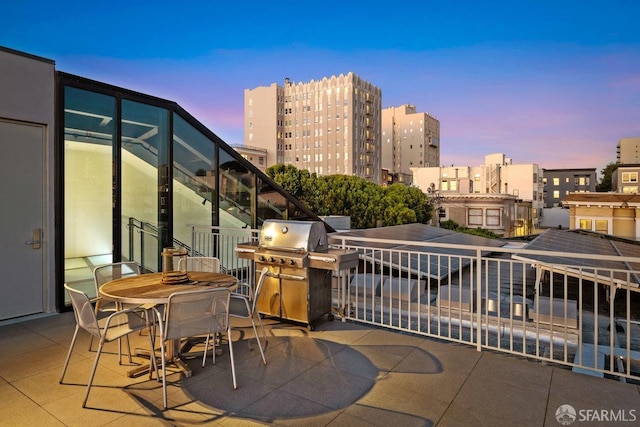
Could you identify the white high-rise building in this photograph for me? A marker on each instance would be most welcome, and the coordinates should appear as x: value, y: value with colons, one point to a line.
x: 409, y: 140
x: 329, y: 126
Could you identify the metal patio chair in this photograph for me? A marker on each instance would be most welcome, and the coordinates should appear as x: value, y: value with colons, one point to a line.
x: 243, y: 306
x: 204, y: 311
x: 117, y: 325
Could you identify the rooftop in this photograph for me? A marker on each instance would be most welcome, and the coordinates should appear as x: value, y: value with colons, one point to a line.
x: 341, y: 373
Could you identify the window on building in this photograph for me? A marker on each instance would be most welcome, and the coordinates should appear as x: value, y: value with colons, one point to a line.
x: 475, y: 217
x: 556, y: 181
x: 602, y: 226
x: 556, y: 194
x: 444, y: 185
x: 585, y: 224
x: 630, y: 177
x: 493, y: 217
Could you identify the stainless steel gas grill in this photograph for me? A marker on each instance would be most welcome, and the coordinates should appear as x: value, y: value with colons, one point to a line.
x: 300, y: 263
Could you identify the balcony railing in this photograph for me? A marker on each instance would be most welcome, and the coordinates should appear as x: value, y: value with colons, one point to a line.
x: 581, y: 311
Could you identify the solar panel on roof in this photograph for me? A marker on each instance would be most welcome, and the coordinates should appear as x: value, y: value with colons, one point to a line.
x: 424, y: 261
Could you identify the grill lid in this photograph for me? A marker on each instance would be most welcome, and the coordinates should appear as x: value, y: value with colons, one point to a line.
x: 298, y: 236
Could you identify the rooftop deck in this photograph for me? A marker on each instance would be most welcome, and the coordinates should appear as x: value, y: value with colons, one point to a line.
x: 340, y: 374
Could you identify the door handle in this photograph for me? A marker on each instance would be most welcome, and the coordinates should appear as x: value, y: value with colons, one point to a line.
x: 37, y: 238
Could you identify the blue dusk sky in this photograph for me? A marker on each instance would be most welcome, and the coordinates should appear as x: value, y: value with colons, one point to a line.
x: 552, y: 82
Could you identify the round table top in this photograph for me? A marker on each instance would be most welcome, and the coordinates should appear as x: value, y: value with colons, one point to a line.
x: 149, y: 289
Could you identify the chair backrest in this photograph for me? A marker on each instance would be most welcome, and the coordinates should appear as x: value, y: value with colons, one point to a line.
x: 263, y: 275
x: 201, y: 263
x: 117, y: 270
x: 197, y: 312
x: 83, y: 311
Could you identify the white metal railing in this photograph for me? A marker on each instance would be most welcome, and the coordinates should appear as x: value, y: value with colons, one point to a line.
x: 221, y: 242
x: 554, y: 307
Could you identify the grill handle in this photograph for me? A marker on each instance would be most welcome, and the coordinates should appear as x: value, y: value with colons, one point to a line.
x: 245, y: 250
x: 290, y: 276
x: 322, y: 258
x: 285, y: 248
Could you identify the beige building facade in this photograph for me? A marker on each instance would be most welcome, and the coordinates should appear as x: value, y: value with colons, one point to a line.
x: 625, y: 178
x: 409, y: 139
x: 515, y: 192
x: 329, y: 126
x: 628, y: 151
x: 256, y: 155
x: 614, y: 214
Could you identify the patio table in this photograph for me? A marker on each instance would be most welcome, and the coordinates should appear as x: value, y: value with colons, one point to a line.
x: 148, y: 289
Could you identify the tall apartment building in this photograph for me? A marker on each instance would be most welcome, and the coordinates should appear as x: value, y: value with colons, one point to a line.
x: 628, y: 151
x: 409, y: 139
x: 328, y: 126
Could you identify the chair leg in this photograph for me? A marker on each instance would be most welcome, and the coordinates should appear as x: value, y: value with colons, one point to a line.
x: 93, y: 372
x: 206, y: 346
x: 164, y: 373
x: 255, y: 331
x: 264, y: 333
x: 233, y: 364
x: 73, y: 343
x: 162, y: 356
x: 153, y: 363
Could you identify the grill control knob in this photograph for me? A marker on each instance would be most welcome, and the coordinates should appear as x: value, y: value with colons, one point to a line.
x: 261, y: 258
x: 292, y: 262
x: 281, y: 261
x: 272, y: 259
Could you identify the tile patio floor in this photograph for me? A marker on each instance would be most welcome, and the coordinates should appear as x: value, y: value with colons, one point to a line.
x: 340, y: 374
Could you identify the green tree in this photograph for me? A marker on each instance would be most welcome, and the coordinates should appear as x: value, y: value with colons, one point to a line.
x: 605, y: 180
x: 295, y: 181
x: 365, y: 202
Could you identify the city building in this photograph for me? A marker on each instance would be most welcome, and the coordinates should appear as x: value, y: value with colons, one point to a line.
x: 624, y: 178
x: 614, y: 214
x: 500, y: 196
x: 328, y: 126
x: 628, y: 151
x: 558, y: 183
x: 257, y: 156
x: 409, y: 139
x: 97, y: 174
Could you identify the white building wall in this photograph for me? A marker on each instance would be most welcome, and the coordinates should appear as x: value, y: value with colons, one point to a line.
x: 27, y: 97
x: 263, y: 120
x: 329, y: 126
x: 497, y: 176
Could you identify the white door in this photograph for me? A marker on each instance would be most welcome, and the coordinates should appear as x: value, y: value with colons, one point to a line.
x: 21, y: 218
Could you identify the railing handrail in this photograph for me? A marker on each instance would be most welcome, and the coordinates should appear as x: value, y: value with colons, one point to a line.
x: 474, y: 248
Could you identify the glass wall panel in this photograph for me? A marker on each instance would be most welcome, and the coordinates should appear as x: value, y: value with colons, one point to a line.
x: 145, y: 183
x: 271, y: 204
x: 194, y: 180
x: 89, y: 137
x: 236, y: 192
